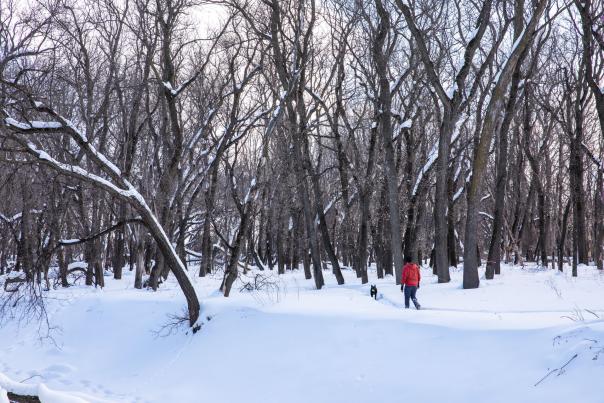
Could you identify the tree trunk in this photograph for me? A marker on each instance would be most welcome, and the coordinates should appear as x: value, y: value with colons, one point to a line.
x: 599, y: 220
x: 140, y: 261
x: 385, y: 127
x: 562, y: 239
x: 206, y: 242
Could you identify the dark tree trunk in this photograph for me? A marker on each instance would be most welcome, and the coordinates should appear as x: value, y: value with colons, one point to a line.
x: 140, y: 261
x: 451, y: 244
x: 380, y: 57
x: 206, y: 241
x: 599, y: 220
x: 119, y: 245
x: 562, y: 239
x: 62, y: 267
x: 577, y: 194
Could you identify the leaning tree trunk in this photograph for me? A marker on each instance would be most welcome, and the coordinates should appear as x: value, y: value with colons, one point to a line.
x: 304, y: 194
x: 495, y: 107
x: 327, y: 245
x: 231, y: 272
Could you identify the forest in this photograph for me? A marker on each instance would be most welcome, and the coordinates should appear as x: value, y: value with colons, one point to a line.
x: 161, y: 143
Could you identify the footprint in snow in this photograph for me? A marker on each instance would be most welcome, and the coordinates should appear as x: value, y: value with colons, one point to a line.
x: 60, y: 368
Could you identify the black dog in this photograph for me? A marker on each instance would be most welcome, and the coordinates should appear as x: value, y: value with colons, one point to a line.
x: 373, y: 291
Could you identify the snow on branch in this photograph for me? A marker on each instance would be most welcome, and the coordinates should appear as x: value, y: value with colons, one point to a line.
x: 485, y: 214
x: 16, y: 216
x: 73, y: 170
x: 67, y: 126
x: 432, y: 156
x: 458, y: 194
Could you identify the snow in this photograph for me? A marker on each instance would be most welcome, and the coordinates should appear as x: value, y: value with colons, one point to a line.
x: 514, y: 46
x: 432, y: 156
x: 485, y: 214
x: 106, y: 164
x: 250, y: 189
x: 45, y: 125
x: 169, y: 87
x: 457, y: 129
x: 77, y: 265
x: 32, y: 125
x: 11, y: 219
x: 14, y: 123
x: 43, y: 155
x: 457, y: 172
x: 518, y: 40
x: 329, y: 205
x: 68, y: 241
x: 45, y: 394
x: 296, y: 344
x: 458, y: 194
x: 406, y: 124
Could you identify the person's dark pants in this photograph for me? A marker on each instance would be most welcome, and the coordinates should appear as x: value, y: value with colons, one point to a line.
x: 410, y: 291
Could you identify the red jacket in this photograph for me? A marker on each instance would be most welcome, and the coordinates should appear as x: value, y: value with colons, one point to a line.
x: 411, y: 275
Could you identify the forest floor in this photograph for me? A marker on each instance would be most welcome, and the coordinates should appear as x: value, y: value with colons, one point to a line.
x: 291, y: 343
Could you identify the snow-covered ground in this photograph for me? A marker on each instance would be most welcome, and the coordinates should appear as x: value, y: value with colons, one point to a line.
x: 293, y: 343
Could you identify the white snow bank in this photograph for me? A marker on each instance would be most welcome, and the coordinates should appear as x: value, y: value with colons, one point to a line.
x: 40, y: 390
x: 335, y: 345
x: 50, y: 396
x: 44, y: 393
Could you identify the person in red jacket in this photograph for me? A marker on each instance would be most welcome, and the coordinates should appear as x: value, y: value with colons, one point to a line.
x: 410, y: 282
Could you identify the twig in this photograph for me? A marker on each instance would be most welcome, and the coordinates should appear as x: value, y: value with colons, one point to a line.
x: 556, y: 370
x: 593, y: 313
